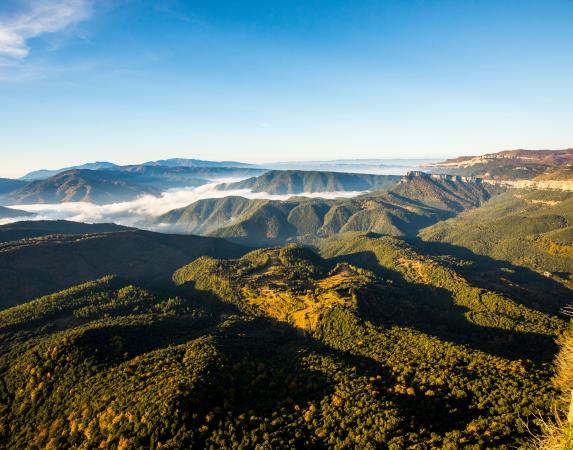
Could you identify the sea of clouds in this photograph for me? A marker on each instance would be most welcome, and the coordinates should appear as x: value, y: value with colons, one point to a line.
x: 141, y: 211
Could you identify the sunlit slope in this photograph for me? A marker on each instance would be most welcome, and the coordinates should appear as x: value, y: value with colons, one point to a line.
x: 280, y: 348
x: 294, y: 285
x: 529, y: 228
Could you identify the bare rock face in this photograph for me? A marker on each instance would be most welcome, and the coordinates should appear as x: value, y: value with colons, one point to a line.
x: 439, y: 177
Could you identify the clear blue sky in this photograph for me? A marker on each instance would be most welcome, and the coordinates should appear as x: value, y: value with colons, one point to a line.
x: 133, y: 80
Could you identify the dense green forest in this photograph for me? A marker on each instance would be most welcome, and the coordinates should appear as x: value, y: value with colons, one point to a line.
x: 527, y: 227
x: 373, y: 344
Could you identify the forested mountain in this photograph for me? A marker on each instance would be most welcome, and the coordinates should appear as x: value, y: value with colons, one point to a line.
x: 375, y: 343
x: 443, y: 191
x: 532, y: 228
x: 96, y: 186
x: 36, y: 266
x: 37, y: 228
x: 44, y: 173
x: 7, y: 213
x: 299, y: 182
x: 416, y: 202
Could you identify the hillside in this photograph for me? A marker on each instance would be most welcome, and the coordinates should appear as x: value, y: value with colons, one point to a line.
x: 207, y: 216
x: 272, y: 222
x: 36, y: 228
x: 529, y: 228
x: 8, y: 185
x: 283, y: 182
x: 8, y: 213
x: 416, y: 202
x: 96, y: 186
x: 374, y: 344
x: 37, y: 266
x: 450, y: 193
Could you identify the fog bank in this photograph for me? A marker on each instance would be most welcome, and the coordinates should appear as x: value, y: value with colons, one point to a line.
x: 138, y: 212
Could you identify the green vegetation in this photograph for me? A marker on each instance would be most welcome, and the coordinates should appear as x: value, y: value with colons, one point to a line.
x: 367, y: 337
x: 374, y: 344
x: 528, y: 228
x: 41, y: 265
x: 400, y: 211
x: 36, y: 228
x: 299, y: 182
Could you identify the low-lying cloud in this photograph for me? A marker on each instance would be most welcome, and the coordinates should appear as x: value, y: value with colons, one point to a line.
x: 140, y: 212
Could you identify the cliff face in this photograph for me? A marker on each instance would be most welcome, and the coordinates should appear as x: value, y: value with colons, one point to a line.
x: 513, y: 157
x: 439, y: 177
x: 558, y: 185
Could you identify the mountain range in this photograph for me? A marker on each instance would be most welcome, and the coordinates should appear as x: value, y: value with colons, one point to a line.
x: 173, y: 162
x: 423, y: 313
x: 113, y: 185
x: 417, y: 201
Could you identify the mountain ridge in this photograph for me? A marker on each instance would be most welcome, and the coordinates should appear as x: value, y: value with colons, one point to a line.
x: 281, y: 182
x: 414, y: 203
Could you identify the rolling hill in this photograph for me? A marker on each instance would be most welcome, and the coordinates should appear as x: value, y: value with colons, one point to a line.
x: 36, y: 266
x: 531, y: 228
x: 416, y: 202
x: 373, y: 343
x: 283, y: 182
x: 35, y: 228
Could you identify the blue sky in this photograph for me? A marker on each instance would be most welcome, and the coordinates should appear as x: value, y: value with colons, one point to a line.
x: 134, y: 80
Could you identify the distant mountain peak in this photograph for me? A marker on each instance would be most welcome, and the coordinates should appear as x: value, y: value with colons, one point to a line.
x: 46, y: 173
